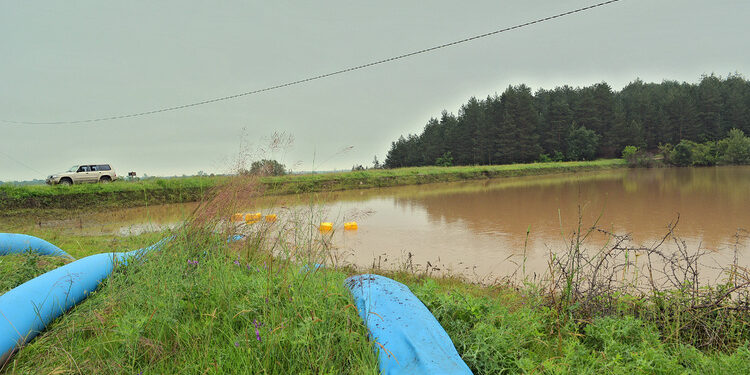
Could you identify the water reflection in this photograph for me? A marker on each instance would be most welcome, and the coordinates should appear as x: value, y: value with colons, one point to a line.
x: 485, y: 224
x: 480, y: 228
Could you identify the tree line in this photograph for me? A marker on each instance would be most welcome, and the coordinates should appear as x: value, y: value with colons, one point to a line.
x: 579, y: 123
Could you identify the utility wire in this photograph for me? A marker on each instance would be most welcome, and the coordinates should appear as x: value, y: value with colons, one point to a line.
x: 326, y: 75
x: 20, y: 162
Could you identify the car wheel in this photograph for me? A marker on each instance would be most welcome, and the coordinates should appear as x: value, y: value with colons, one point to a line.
x: 66, y: 181
x: 105, y: 179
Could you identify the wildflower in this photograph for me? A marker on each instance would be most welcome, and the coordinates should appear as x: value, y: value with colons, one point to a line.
x: 236, y: 344
x: 257, y: 332
x: 237, y: 262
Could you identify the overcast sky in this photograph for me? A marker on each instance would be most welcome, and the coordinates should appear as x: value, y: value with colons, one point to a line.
x: 75, y: 60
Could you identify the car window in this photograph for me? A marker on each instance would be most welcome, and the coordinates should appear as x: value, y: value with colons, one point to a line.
x: 103, y: 167
x: 93, y: 168
x: 84, y: 168
x: 73, y: 169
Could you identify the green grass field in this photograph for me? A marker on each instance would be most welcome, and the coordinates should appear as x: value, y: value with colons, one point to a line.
x: 190, y: 189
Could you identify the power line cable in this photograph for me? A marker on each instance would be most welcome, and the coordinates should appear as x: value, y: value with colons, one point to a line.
x: 20, y: 162
x: 321, y: 76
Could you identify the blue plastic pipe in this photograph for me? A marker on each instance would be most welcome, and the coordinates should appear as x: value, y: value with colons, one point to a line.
x: 407, y: 336
x: 12, y: 243
x: 27, y: 309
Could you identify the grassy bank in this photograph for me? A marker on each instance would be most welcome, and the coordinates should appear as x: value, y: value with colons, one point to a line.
x: 204, y: 306
x: 190, y: 189
x: 509, y: 330
x: 116, y: 194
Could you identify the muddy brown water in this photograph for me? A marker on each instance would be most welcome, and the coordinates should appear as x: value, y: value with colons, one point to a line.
x: 479, y: 228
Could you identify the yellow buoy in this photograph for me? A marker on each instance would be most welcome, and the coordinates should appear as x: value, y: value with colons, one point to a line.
x: 352, y: 225
x: 270, y: 218
x: 236, y: 217
x: 256, y: 216
x: 325, y: 227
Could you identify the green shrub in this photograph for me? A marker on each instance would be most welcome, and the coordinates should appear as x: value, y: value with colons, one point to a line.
x: 682, y: 154
x: 705, y: 154
x: 636, y: 157
x: 737, y: 148
x: 445, y: 161
x: 582, y: 143
x: 267, y: 168
x: 628, y: 153
x: 544, y: 158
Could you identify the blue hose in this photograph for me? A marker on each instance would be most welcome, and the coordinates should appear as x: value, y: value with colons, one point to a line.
x: 27, y: 309
x: 408, y: 337
x: 12, y: 243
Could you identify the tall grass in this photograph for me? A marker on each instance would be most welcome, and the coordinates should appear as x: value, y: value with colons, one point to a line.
x: 505, y: 330
x: 673, y: 287
x: 195, y: 307
x: 18, y: 268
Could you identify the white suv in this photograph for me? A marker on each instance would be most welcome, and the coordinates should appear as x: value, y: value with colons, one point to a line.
x: 84, y: 173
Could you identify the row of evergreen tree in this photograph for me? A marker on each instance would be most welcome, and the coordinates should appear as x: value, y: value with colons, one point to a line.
x: 578, y: 123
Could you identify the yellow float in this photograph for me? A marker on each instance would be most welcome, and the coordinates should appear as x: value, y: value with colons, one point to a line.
x: 325, y: 227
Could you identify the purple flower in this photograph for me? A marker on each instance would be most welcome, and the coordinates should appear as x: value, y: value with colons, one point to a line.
x: 237, y: 262
x: 236, y: 344
x: 257, y: 332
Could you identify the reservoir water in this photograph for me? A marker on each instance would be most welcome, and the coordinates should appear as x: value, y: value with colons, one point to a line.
x: 488, y: 228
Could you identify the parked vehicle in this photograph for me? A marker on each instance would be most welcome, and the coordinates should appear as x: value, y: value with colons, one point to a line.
x: 78, y: 174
